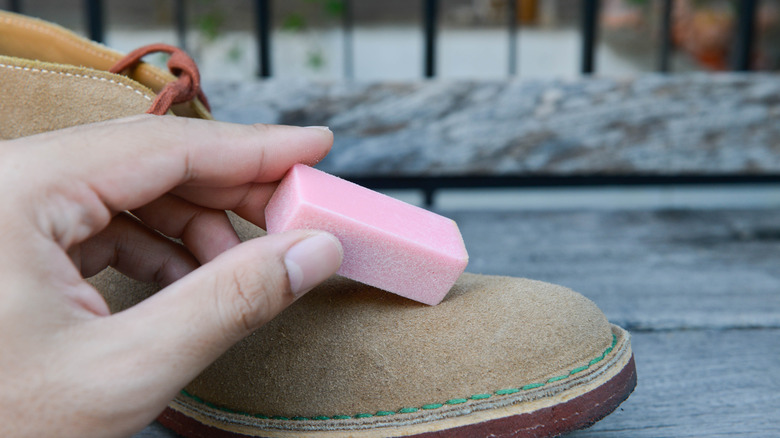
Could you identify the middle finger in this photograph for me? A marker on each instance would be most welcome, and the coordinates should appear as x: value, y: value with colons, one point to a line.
x: 206, y: 232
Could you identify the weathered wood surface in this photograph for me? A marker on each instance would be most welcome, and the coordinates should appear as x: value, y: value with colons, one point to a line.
x: 700, y: 384
x: 699, y: 289
x: 651, y: 125
x: 654, y: 270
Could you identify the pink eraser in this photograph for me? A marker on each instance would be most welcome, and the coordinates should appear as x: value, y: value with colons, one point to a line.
x: 387, y: 243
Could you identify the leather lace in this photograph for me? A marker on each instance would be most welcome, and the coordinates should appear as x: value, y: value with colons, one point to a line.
x: 186, y: 86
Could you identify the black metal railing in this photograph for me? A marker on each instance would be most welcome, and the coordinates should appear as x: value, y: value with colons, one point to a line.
x: 741, y: 61
x: 429, y: 185
x: 745, y: 34
x: 263, y: 28
x: 590, y: 13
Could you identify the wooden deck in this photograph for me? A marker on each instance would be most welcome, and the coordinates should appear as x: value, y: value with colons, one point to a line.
x: 699, y: 290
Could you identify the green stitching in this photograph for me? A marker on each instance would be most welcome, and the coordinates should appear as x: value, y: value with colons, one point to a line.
x: 595, y: 361
x: 384, y: 413
x: 430, y: 406
x: 507, y: 391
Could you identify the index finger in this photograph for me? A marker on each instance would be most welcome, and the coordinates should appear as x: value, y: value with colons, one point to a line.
x: 130, y: 162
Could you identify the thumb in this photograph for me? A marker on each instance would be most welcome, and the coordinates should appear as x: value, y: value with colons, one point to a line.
x: 186, y: 326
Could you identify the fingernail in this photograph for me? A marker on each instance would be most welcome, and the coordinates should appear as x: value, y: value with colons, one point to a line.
x: 321, y: 128
x: 311, y: 261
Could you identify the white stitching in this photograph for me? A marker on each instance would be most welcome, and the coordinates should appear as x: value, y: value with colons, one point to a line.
x: 76, y: 75
x: 64, y: 38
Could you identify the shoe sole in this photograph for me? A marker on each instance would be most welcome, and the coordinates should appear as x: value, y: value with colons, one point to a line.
x: 548, y: 410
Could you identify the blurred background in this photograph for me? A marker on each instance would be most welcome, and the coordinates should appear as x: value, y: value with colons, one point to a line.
x: 473, y: 39
x: 650, y: 160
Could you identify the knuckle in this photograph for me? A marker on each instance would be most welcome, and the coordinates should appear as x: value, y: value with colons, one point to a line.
x: 246, y: 301
x: 262, y: 128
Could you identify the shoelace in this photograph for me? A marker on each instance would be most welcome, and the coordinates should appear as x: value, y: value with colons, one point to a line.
x: 185, y: 88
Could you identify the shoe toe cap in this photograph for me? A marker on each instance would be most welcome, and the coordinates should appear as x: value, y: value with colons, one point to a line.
x: 347, y: 349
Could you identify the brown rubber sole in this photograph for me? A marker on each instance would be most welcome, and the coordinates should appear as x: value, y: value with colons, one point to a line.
x: 551, y: 412
x: 578, y: 413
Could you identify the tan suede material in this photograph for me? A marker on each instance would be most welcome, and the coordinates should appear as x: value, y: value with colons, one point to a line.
x: 33, y: 39
x: 346, y: 348
x: 40, y: 97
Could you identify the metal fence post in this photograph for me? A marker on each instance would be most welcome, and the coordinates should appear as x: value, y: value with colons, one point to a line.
x: 590, y: 14
x: 94, y: 15
x: 746, y: 25
x: 263, y: 29
x: 430, y: 17
x: 15, y: 6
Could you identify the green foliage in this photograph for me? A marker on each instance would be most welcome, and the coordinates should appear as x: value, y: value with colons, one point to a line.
x: 334, y: 7
x: 733, y: 5
x: 210, y: 24
x: 315, y: 59
x: 294, y: 22
x: 235, y: 53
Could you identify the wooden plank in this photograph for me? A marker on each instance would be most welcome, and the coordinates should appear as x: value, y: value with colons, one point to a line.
x: 691, y: 384
x: 155, y: 430
x: 647, y: 270
x: 700, y: 384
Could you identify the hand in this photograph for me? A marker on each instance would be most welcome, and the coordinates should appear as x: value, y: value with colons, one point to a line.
x: 68, y: 367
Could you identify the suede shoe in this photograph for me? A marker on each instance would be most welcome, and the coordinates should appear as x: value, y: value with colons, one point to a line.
x: 499, y: 357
